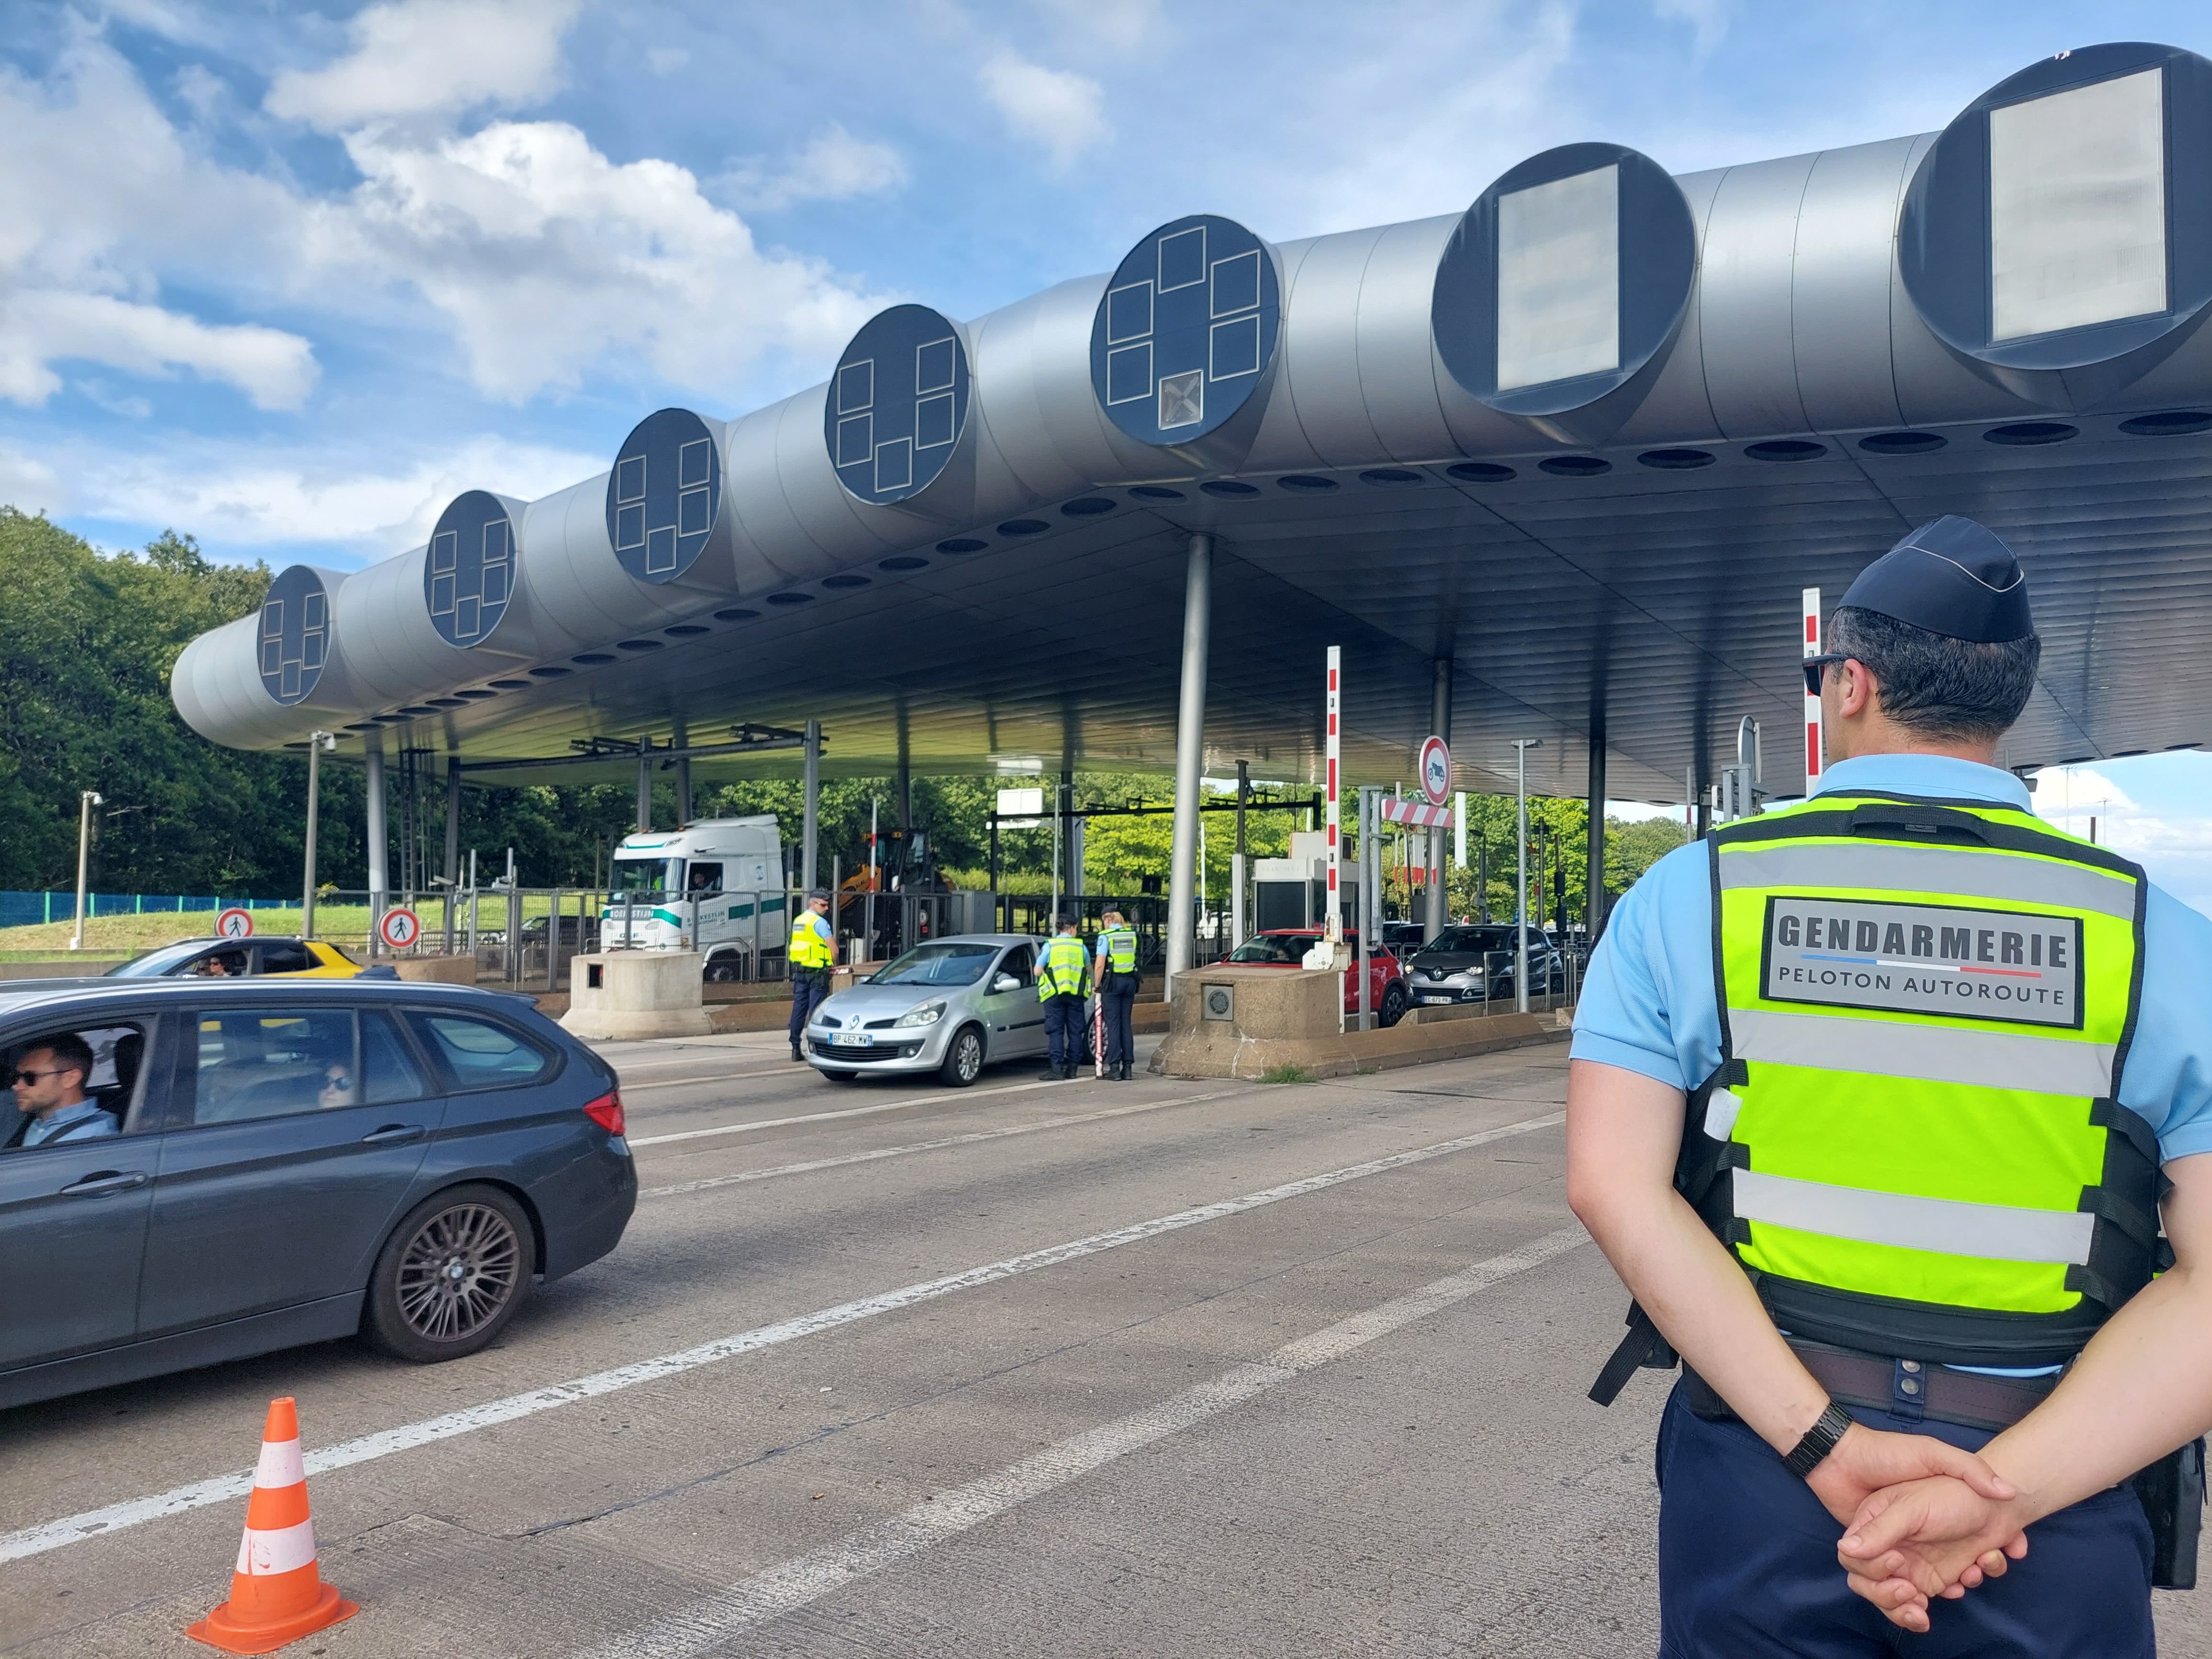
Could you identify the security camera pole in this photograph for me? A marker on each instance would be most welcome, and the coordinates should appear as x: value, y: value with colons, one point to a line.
x: 1521, y: 748
x: 317, y: 743
x: 86, y: 801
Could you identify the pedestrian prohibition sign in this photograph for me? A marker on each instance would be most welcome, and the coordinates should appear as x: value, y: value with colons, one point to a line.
x: 235, y: 923
x: 399, y: 928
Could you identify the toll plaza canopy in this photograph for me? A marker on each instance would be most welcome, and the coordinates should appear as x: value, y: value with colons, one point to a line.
x: 1585, y: 443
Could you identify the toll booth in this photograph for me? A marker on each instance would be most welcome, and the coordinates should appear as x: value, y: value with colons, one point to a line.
x: 1294, y: 893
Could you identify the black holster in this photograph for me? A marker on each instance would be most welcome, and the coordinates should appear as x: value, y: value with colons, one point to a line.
x: 2172, y: 1492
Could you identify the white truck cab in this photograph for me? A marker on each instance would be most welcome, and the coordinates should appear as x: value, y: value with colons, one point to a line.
x: 716, y: 887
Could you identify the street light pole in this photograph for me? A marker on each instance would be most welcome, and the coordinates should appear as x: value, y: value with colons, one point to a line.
x: 317, y: 743
x: 1521, y: 748
x: 87, y: 799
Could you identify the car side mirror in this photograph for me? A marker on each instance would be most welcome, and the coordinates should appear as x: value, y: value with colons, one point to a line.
x: 1006, y: 983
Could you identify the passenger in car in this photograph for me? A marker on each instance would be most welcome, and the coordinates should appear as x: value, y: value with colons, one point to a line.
x: 337, y: 1087
x: 50, y: 1078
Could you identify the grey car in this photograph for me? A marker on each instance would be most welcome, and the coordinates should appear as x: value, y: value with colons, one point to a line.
x: 1471, y: 962
x: 949, y: 1005
x: 278, y: 1161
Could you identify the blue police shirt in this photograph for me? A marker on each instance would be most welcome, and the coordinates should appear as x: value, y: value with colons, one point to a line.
x: 84, y: 1120
x: 1648, y: 1006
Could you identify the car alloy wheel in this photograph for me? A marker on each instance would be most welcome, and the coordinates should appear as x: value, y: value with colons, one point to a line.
x: 457, y: 1272
x: 451, y: 1275
x: 963, y: 1057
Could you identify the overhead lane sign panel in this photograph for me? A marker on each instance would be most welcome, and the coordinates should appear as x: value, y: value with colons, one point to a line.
x: 1185, y: 331
x: 897, y: 405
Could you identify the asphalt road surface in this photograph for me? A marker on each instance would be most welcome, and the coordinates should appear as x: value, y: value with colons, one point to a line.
x: 1085, y: 1369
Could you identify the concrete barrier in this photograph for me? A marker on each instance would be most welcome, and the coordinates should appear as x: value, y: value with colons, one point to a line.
x: 435, y: 970
x: 1259, y: 1019
x: 625, y: 995
x: 81, y: 967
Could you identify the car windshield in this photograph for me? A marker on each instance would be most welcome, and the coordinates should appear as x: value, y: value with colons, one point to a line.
x: 649, y: 875
x: 1474, y: 939
x: 155, y: 963
x: 1275, y: 949
x: 949, y: 961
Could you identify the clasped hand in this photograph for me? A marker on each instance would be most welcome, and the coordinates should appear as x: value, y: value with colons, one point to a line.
x: 1924, y: 1519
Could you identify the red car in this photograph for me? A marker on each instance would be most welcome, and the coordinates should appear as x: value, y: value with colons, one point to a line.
x: 1286, y: 947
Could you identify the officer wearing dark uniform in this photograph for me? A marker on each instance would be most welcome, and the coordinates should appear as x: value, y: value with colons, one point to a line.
x: 812, y: 953
x: 1116, y: 983
x: 1941, y: 1062
x: 1063, y: 966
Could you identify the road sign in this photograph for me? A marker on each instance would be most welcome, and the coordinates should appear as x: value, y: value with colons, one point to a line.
x: 235, y: 923
x: 399, y: 928
x: 1436, y: 770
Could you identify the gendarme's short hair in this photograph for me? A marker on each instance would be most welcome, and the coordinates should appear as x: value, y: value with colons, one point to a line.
x: 1950, y: 576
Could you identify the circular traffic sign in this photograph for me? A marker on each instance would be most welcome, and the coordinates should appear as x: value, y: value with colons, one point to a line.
x: 1436, y: 770
x: 235, y: 923
x: 399, y: 928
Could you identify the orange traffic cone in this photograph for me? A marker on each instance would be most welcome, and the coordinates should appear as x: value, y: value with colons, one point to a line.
x: 277, y: 1595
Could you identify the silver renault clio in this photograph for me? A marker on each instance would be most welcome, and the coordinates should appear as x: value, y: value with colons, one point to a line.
x: 949, y: 1005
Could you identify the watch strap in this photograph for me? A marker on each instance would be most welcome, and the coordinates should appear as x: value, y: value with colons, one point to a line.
x: 1820, y: 1440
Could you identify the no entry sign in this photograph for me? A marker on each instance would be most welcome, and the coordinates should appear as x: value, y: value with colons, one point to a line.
x: 400, y: 928
x: 235, y: 923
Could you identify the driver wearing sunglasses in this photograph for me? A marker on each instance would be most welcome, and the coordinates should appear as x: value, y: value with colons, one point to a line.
x: 50, y: 1079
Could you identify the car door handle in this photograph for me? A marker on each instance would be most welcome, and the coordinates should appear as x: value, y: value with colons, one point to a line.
x: 394, y: 1135
x: 105, y: 1181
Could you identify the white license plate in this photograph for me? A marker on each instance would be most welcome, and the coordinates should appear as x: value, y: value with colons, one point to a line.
x: 1439, y: 998
x: 854, y: 1039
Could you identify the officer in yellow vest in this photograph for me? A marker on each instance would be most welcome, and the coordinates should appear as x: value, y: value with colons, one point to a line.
x: 1063, y: 971
x: 813, y: 952
x: 1873, y: 1104
x: 1116, y: 979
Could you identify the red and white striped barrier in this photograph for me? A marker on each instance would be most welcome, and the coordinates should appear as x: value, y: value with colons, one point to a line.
x: 1418, y: 813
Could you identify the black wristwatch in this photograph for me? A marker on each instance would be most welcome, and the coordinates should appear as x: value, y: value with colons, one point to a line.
x: 1820, y: 1440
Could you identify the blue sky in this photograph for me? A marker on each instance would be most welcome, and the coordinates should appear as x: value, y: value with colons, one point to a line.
x: 290, y: 278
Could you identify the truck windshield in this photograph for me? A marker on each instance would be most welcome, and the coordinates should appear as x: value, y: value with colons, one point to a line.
x: 948, y: 963
x: 649, y: 875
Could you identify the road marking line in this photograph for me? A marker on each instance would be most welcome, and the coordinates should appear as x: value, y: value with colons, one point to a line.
x: 112, y: 1517
x: 712, y: 1181
x: 941, y: 1097
x: 703, y: 1080
x: 806, y: 1579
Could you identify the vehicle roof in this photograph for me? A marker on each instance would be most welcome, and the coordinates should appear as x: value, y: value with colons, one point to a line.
x: 257, y: 939
x: 978, y: 938
x: 24, y: 995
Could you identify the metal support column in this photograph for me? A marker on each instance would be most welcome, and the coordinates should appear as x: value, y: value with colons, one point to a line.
x: 1190, y: 754
x: 644, y: 785
x: 1239, y: 863
x: 452, y: 870
x: 1593, y: 904
x: 380, y: 850
x: 1440, y: 709
x: 811, y: 819
x: 1521, y: 748
x: 316, y: 742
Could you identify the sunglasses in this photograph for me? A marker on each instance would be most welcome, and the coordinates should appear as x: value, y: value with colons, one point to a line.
x: 33, y: 1076
x: 1816, y: 666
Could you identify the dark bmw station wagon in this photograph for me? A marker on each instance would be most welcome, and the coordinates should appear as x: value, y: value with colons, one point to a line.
x: 267, y: 1162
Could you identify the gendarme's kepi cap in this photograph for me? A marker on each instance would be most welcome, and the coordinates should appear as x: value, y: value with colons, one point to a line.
x: 1953, y: 577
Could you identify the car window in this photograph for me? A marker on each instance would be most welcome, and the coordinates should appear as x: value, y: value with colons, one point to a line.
x: 271, y: 1062
x: 950, y: 962
x: 155, y: 963
x: 389, y: 1072
x: 220, y: 964
x: 478, y: 1053
x: 1019, y: 961
x: 287, y: 959
x: 705, y: 878
x: 1274, y: 948
x: 118, y: 1055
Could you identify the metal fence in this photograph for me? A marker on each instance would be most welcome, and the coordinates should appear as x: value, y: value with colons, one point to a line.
x: 24, y: 909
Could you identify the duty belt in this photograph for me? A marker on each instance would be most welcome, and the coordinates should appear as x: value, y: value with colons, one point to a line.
x: 1969, y: 1399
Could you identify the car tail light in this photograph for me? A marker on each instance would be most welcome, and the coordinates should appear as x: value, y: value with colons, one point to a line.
x: 607, y: 1112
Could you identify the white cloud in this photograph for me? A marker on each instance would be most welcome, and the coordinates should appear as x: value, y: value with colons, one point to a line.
x: 322, y: 502
x: 1063, y: 112
x: 1708, y: 19
x: 414, y: 58
x: 30, y: 486
x: 548, y: 257
x: 2175, y: 847
x: 834, y: 167
x: 1123, y: 25
x: 666, y: 60
x: 275, y: 369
